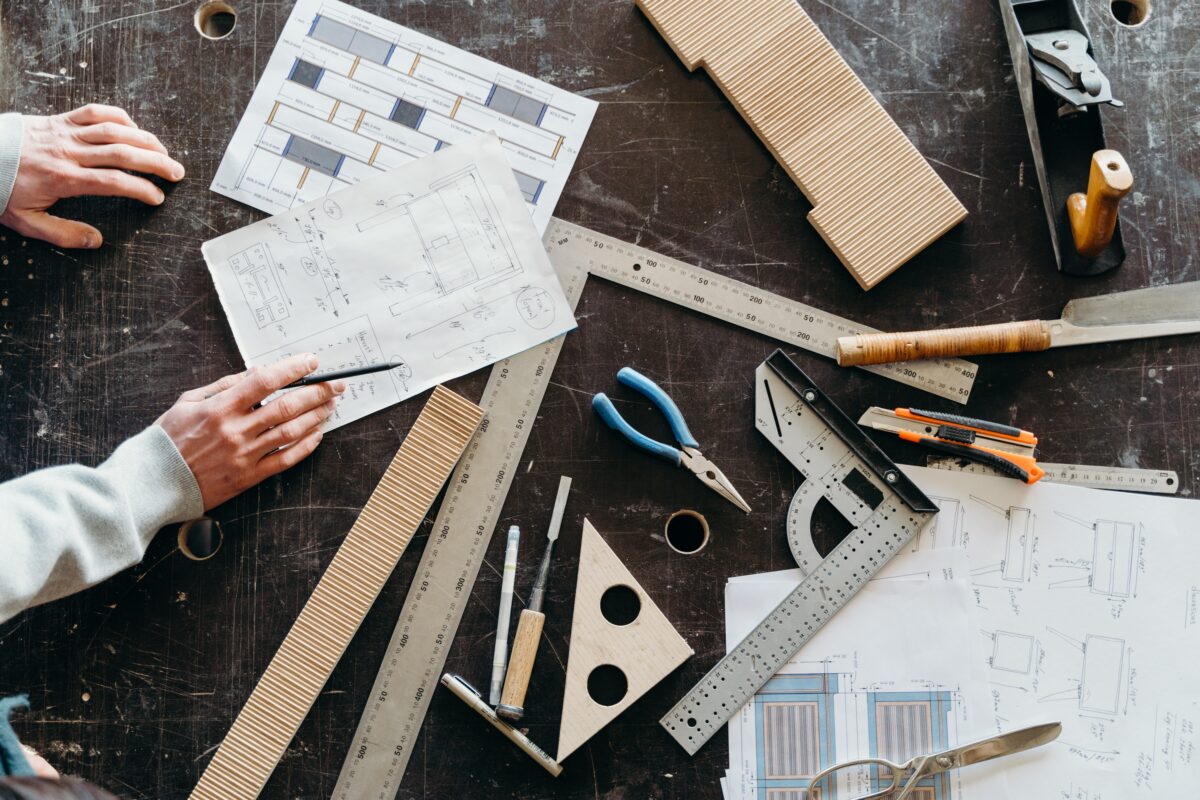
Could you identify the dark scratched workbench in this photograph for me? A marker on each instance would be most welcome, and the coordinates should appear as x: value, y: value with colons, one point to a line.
x: 135, y: 682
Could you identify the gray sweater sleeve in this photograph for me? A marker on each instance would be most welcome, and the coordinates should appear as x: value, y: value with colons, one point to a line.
x: 64, y: 529
x: 11, y: 131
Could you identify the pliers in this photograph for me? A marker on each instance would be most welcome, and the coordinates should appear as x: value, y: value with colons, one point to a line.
x: 687, y: 455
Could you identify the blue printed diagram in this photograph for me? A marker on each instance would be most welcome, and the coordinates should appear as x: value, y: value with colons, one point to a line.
x: 801, y: 719
x: 355, y: 102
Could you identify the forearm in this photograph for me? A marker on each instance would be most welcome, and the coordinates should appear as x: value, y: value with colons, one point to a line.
x: 67, y: 528
x: 10, y: 155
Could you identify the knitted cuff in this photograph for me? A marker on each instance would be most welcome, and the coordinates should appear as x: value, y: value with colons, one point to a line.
x: 10, y: 155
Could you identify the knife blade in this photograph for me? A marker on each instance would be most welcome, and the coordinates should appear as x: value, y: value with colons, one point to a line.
x: 1136, y: 314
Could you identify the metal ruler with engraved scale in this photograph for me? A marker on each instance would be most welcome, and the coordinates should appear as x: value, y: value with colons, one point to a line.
x: 842, y: 465
x: 416, y: 655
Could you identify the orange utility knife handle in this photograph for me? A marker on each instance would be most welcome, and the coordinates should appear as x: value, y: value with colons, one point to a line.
x: 970, y: 423
x: 954, y: 434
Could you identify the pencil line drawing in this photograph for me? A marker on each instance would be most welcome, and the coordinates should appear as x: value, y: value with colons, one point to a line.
x: 1101, y: 674
x: 1015, y: 566
x: 258, y: 278
x: 945, y: 530
x: 1112, y: 570
x: 1011, y: 652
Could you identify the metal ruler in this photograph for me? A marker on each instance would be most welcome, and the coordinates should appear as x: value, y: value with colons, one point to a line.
x: 1121, y: 479
x: 416, y: 655
x: 742, y: 304
x: 842, y: 465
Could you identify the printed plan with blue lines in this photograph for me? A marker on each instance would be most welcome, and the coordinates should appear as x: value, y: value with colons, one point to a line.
x: 347, y: 95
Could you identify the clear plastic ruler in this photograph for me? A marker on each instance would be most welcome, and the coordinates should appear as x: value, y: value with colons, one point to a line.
x: 742, y: 304
x: 1121, y: 479
x: 841, y: 465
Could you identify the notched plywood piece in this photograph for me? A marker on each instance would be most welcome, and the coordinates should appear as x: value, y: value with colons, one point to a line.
x: 876, y: 201
x: 623, y: 630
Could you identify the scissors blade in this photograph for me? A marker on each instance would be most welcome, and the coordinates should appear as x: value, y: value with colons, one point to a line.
x: 712, y: 477
x: 986, y: 749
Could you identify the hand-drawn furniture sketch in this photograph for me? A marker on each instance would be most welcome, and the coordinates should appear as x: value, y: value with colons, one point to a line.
x: 463, y: 245
x: 798, y: 719
x: 1011, y: 652
x: 258, y: 277
x: 1112, y: 571
x: 1016, y: 564
x: 945, y: 530
x: 1102, y: 670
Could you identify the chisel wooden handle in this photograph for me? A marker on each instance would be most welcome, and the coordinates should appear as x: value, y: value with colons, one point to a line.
x: 884, y: 348
x: 1094, y: 216
x: 520, y: 665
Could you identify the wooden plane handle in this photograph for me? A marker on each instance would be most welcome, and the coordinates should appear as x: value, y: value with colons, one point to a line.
x: 520, y: 665
x: 884, y: 348
x: 1094, y: 216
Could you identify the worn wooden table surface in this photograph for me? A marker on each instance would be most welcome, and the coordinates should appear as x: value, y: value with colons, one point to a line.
x: 134, y: 683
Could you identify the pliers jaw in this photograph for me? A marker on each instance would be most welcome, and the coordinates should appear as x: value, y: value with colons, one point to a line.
x: 712, y: 477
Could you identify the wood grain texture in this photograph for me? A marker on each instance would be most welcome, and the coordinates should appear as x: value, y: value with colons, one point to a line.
x: 646, y: 649
x: 135, y: 682
x: 1094, y: 215
x: 341, y: 600
x: 886, y: 348
x: 520, y: 665
x: 876, y: 201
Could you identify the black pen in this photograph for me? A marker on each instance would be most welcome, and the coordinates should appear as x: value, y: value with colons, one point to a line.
x: 323, y: 377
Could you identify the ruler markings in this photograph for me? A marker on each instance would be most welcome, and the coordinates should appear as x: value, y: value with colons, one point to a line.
x: 416, y: 655
x: 744, y: 305
x: 1121, y: 479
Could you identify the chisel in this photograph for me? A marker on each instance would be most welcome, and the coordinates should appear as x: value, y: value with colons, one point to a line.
x: 529, y: 626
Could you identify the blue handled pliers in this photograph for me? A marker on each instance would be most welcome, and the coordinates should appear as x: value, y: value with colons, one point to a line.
x: 687, y: 455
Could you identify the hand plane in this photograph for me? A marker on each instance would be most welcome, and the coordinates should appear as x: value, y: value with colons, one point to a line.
x: 1062, y: 89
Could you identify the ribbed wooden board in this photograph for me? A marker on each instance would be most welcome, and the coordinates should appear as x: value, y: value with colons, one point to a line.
x: 876, y: 201
x: 320, y: 635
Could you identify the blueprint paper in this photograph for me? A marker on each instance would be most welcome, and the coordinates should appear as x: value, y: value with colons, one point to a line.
x: 347, y: 95
x: 435, y: 264
x: 890, y: 676
x: 1088, y: 603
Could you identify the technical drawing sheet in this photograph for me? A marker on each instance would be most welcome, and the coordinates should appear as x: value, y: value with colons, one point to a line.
x: 1088, y: 603
x: 347, y: 95
x: 889, y: 677
x: 435, y: 265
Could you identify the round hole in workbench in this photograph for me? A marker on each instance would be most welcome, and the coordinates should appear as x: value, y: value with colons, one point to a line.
x: 620, y: 605
x: 607, y: 685
x: 1130, y: 13
x: 686, y: 531
x: 215, y: 19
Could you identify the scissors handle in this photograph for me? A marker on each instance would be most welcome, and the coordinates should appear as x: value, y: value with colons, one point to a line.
x: 608, y: 412
x: 662, y: 401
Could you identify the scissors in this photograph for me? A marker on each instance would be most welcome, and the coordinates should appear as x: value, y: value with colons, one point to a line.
x: 687, y: 455
x: 920, y: 767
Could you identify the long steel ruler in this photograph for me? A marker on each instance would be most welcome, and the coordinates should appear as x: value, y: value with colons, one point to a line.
x: 842, y: 465
x: 741, y: 304
x: 416, y: 655
x: 1121, y: 479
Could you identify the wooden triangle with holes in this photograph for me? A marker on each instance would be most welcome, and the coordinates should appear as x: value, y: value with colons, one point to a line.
x: 619, y: 639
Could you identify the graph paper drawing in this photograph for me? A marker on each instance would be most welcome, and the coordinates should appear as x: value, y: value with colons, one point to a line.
x: 347, y: 95
x: 434, y: 266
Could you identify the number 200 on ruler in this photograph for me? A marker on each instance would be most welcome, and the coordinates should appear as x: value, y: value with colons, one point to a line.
x: 742, y: 304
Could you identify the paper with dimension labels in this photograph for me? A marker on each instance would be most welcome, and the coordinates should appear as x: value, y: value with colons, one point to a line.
x: 1084, y: 605
x: 436, y: 265
x: 347, y: 95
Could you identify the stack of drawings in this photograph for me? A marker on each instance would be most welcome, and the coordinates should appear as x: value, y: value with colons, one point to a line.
x: 1016, y: 605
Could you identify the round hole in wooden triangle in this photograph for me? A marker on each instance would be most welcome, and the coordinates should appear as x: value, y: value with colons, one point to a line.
x: 643, y: 650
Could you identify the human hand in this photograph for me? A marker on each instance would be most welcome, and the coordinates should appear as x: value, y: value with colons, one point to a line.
x: 41, y: 767
x: 230, y: 444
x: 82, y: 152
